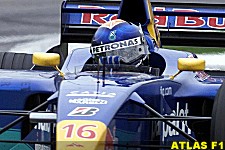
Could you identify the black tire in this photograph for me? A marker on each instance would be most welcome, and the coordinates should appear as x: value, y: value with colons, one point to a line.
x: 218, y: 116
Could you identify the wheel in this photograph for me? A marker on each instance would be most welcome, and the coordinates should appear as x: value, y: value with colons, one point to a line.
x: 218, y: 116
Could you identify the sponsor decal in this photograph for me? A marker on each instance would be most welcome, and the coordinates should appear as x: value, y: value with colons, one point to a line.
x: 201, y: 76
x: 112, y: 35
x: 91, y: 18
x: 84, y: 111
x: 155, y: 129
x: 43, y: 127
x: 166, y: 91
x: 168, y: 131
x: 189, y: 21
x: 88, y: 101
x: 71, y: 129
x: 183, y: 21
x: 74, y: 145
x: 46, y: 126
x: 42, y: 147
x: 161, y: 21
x: 87, y: 134
x: 91, y: 94
x: 116, y: 45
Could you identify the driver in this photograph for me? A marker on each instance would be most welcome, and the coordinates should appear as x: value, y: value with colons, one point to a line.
x: 118, y: 41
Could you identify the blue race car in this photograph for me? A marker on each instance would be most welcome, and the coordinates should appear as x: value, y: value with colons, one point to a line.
x: 84, y: 105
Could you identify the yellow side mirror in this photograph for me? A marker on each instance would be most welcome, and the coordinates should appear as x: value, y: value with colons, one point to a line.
x: 46, y: 59
x: 191, y: 64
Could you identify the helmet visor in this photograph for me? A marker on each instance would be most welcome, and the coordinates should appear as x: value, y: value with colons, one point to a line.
x: 129, y: 54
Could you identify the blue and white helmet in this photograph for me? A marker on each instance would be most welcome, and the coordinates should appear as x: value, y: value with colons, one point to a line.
x: 119, y: 38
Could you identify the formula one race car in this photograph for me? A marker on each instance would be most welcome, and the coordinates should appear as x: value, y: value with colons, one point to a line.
x: 83, y: 105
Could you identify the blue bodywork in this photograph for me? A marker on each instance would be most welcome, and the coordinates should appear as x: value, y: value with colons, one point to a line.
x: 178, y: 97
x: 111, y: 99
x: 17, y: 86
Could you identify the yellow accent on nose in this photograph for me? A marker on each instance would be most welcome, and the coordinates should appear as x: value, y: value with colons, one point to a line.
x: 80, y: 135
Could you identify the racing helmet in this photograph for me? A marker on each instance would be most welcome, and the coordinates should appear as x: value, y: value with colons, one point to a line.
x: 121, y: 39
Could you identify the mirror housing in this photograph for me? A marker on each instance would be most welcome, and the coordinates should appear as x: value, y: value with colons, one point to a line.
x: 191, y: 64
x: 46, y: 59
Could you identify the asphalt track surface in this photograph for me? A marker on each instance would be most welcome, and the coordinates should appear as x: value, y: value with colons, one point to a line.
x: 23, y: 22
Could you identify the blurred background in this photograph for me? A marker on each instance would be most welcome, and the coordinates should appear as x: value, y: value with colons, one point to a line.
x: 29, y: 25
